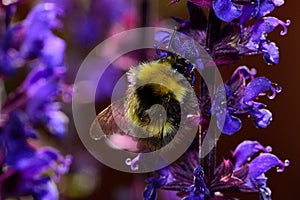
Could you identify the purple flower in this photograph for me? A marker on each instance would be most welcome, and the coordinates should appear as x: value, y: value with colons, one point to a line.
x: 39, y: 41
x: 41, y: 96
x: 10, y: 58
x: 244, y: 171
x: 56, y: 120
x: 241, y: 92
x: 258, y: 9
x: 235, y: 40
x: 33, y: 38
x: 27, y: 169
x: 257, y: 166
x: 228, y: 10
x: 44, y: 87
x: 189, y: 41
x: 258, y: 41
x: 186, y: 177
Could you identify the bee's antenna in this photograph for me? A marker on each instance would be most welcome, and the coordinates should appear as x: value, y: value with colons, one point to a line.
x: 172, y: 38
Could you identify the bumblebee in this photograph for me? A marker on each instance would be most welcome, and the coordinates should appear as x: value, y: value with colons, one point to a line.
x: 151, y: 111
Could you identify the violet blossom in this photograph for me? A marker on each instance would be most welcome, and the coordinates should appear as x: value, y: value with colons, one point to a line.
x: 33, y: 38
x: 241, y: 92
x: 228, y: 10
x: 25, y: 169
x: 246, y: 168
x: 238, y: 173
x: 44, y: 85
x: 258, y: 41
x: 235, y: 39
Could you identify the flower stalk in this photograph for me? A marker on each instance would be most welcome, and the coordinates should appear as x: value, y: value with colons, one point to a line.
x: 208, y: 162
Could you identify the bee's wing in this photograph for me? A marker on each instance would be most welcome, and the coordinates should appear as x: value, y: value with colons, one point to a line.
x: 111, y: 120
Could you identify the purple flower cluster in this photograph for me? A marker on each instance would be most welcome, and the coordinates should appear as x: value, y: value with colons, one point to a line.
x: 237, y: 38
x: 241, y: 92
x: 25, y: 169
x: 245, y: 170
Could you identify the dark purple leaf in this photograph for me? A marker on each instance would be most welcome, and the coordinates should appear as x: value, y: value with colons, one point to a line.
x: 225, y: 50
x: 230, y: 30
x: 225, y: 169
x: 242, y: 172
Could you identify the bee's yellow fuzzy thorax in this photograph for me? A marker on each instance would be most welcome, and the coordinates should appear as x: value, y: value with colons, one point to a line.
x: 161, y: 74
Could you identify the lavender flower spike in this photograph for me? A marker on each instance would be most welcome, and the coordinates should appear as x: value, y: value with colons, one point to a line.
x: 28, y: 171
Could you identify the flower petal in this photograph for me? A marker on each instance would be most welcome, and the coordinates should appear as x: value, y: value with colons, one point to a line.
x: 262, y: 118
x: 270, y: 52
x: 278, y: 2
x: 264, y: 193
x: 40, y: 95
x: 255, y: 88
x: 13, y: 142
x: 230, y: 125
x: 162, y: 37
x: 264, y: 8
x: 246, y: 150
x: 57, y: 121
x: 266, y: 25
x: 46, y: 14
x: 226, y: 10
x: 247, y: 12
x: 53, y: 51
x: 150, y: 192
x: 44, y: 189
x: 263, y: 163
